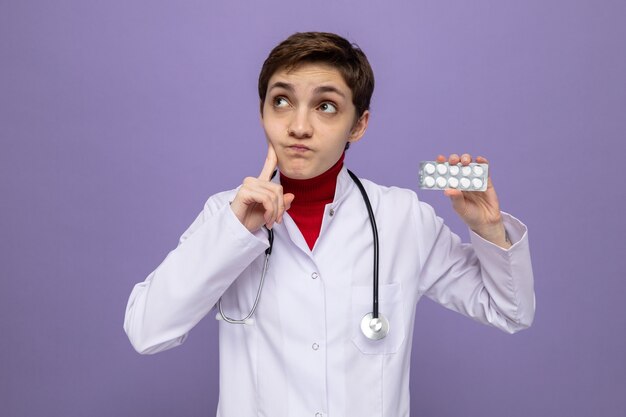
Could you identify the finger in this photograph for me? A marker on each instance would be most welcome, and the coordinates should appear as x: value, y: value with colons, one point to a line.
x: 276, y: 190
x: 483, y: 160
x: 454, y: 159
x: 287, y: 200
x: 259, y: 190
x: 260, y: 200
x: 256, y: 184
x: 270, y: 205
x: 441, y: 159
x: 281, y: 205
x: 289, y: 197
x: 263, y: 197
x: 466, y: 159
x: 271, y: 160
x: 449, y: 192
x: 268, y: 186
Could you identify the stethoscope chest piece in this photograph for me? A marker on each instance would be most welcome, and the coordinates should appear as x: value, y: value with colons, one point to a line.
x: 374, y: 328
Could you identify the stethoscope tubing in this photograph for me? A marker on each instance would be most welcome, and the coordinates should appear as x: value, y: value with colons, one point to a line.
x: 246, y: 320
x: 367, y: 319
x: 370, y: 212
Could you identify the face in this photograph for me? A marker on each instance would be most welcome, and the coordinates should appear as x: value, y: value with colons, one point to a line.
x: 308, y: 116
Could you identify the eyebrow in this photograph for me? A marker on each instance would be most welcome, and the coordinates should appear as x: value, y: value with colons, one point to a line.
x: 328, y: 89
x: 280, y: 84
x: 318, y: 90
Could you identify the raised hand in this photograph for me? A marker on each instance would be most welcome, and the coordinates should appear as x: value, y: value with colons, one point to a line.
x: 479, y: 210
x: 259, y: 201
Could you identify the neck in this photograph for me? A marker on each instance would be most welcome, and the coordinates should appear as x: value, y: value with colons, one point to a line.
x: 320, y: 188
x: 312, y: 195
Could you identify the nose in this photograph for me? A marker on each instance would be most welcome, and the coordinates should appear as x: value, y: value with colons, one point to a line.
x: 299, y: 125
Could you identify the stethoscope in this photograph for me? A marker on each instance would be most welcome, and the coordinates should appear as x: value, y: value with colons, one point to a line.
x: 373, y: 325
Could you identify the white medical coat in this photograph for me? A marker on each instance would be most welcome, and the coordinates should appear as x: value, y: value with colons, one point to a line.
x: 305, y: 354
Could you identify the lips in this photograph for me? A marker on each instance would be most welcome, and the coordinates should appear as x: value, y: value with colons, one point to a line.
x: 299, y: 148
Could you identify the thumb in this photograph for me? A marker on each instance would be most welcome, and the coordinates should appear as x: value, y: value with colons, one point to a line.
x: 288, y: 199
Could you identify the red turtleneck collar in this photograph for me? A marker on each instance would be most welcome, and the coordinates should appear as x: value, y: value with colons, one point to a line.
x: 312, y: 195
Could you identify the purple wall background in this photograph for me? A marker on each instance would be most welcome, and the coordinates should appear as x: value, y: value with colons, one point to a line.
x: 118, y: 119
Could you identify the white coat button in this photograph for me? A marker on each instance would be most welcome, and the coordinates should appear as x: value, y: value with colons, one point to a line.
x: 315, y: 346
x: 314, y: 275
x: 331, y: 212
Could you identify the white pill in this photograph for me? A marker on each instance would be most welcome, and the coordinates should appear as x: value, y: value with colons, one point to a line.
x: 478, y: 170
x: 442, y: 169
x: 429, y: 182
x: 441, y: 182
x: 453, y: 182
x: 429, y: 169
x: 466, y: 171
x: 454, y: 170
x: 465, y: 183
x: 477, y: 183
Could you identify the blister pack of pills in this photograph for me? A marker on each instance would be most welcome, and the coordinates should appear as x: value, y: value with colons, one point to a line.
x: 441, y: 176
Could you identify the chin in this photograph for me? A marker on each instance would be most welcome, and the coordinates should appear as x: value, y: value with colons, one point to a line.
x: 295, y: 175
x: 295, y: 172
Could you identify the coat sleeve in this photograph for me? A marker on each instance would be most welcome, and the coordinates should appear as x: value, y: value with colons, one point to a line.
x: 210, y: 255
x: 480, y: 280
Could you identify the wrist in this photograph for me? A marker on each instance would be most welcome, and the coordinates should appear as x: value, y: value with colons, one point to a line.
x: 494, y: 233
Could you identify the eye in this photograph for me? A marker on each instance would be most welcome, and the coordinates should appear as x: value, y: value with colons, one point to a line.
x: 280, y: 101
x: 328, y: 107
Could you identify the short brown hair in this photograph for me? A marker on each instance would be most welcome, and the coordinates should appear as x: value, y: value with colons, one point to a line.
x: 326, y: 48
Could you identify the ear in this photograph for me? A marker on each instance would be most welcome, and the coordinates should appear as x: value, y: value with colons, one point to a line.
x: 359, y: 128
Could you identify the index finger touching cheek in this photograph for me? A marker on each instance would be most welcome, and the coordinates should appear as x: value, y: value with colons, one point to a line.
x: 271, y: 160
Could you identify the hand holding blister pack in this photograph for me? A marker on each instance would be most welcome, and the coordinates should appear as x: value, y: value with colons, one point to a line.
x: 435, y: 175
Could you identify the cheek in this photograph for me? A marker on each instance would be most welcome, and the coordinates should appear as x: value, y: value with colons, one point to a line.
x: 334, y: 127
x: 334, y: 134
x: 273, y: 134
x: 270, y: 127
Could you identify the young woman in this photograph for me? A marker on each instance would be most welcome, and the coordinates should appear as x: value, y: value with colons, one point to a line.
x: 313, y: 346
